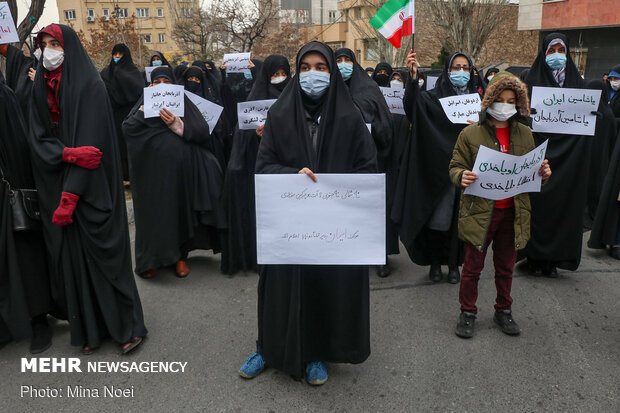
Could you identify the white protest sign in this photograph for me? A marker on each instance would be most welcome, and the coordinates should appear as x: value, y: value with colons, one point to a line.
x: 460, y: 109
x: 339, y: 220
x: 394, y: 99
x: 430, y: 82
x: 253, y: 113
x: 502, y: 175
x: 162, y: 96
x: 209, y: 110
x: 149, y: 69
x: 237, y: 62
x: 8, y: 32
x: 560, y: 110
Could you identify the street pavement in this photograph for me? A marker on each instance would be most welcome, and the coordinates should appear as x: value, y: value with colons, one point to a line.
x: 567, y: 358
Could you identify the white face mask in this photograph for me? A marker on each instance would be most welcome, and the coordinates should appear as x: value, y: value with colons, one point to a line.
x: 37, y: 54
x: 502, y: 111
x: 52, y: 59
x: 615, y: 84
x: 420, y: 82
x: 396, y: 84
x: 489, y: 78
x: 278, y: 80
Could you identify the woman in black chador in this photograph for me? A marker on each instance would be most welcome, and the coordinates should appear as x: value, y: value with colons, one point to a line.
x: 239, y: 250
x: 176, y: 184
x: 78, y: 175
x: 309, y: 315
x: 124, y: 83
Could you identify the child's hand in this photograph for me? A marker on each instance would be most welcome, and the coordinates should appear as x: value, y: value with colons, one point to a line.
x: 545, y: 170
x: 468, y: 178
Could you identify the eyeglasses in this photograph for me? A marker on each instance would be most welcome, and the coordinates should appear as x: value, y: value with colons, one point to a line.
x: 459, y: 67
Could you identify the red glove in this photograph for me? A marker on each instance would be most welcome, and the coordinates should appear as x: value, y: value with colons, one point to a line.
x: 62, y: 215
x: 3, y: 49
x: 87, y: 157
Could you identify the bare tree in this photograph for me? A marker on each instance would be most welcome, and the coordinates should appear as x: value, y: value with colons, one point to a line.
x: 466, y: 23
x: 30, y: 20
x: 196, y: 28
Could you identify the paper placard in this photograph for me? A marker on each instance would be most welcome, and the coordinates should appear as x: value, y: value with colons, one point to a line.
x: 209, y: 110
x: 253, y: 113
x: 560, y: 110
x: 237, y: 62
x: 163, y: 96
x: 8, y: 31
x: 394, y: 99
x: 369, y: 126
x: 430, y: 82
x: 339, y: 220
x: 149, y: 69
x: 502, y: 175
x: 460, y: 109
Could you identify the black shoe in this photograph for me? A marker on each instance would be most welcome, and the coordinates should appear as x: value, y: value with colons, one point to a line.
x: 465, y: 326
x: 534, y: 268
x: 550, y: 272
x: 506, y: 323
x: 435, y: 273
x: 614, y: 252
x: 384, y: 270
x: 454, y: 276
x: 41, y: 335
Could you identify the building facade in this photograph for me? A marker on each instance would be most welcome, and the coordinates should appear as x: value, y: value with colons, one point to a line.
x: 310, y: 12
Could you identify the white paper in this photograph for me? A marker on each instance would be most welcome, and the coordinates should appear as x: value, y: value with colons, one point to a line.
x: 430, y: 82
x: 253, y: 113
x: 339, y: 220
x: 237, y: 62
x: 460, y: 109
x: 560, y: 110
x: 502, y: 175
x: 394, y: 99
x: 8, y: 31
x: 163, y: 96
x: 209, y: 110
x: 369, y: 126
x: 149, y: 69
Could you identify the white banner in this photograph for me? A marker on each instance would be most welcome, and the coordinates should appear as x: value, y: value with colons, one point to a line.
x: 253, y: 113
x: 461, y: 108
x: 209, y: 110
x: 163, y: 96
x: 339, y: 220
x: 149, y: 69
x: 394, y: 99
x: 237, y: 62
x: 8, y: 32
x: 501, y: 175
x: 560, y: 110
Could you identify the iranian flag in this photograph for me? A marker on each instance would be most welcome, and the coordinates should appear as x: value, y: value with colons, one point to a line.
x: 395, y: 20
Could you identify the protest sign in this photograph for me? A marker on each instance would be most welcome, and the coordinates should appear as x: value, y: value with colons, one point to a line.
x: 149, y: 69
x: 8, y: 32
x: 394, y: 99
x: 564, y: 110
x: 501, y: 175
x: 237, y: 62
x: 430, y: 82
x: 253, y: 113
x: 162, y: 96
x: 209, y: 110
x: 339, y: 220
x: 460, y: 109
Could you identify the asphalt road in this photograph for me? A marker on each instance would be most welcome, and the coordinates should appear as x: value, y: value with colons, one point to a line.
x: 567, y: 358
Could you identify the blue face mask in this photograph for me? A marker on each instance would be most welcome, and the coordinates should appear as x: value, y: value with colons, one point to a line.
x: 556, y: 60
x: 459, y: 78
x: 248, y: 75
x: 156, y: 63
x: 346, y: 70
x: 314, y: 83
x: 116, y: 59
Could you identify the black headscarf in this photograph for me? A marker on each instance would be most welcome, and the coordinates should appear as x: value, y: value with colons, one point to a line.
x: 199, y: 88
x: 542, y: 75
x: 489, y: 72
x: 404, y: 76
x: 614, y: 102
x: 17, y: 67
x: 263, y: 89
x: 210, y: 85
x: 178, y: 70
x: 164, y: 62
x: 163, y: 72
x: 369, y: 69
x: 382, y: 80
x: 444, y: 86
x: 214, y: 70
x: 123, y: 80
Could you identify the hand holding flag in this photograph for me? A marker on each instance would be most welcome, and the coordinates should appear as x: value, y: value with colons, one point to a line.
x: 394, y: 20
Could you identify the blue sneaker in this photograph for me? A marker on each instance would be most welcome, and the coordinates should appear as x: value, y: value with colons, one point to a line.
x: 316, y: 373
x: 252, y: 366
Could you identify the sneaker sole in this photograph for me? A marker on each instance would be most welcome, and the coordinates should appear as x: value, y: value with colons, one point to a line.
x: 463, y: 335
x: 316, y: 382
x: 245, y: 376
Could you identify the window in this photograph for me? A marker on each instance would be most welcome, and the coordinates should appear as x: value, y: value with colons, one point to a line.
x: 333, y: 16
x: 122, y: 13
x: 90, y: 13
x: 142, y: 12
x: 162, y: 38
x: 371, y: 50
x: 160, y: 12
x: 105, y: 13
x: 69, y: 14
x: 147, y: 38
x: 186, y: 12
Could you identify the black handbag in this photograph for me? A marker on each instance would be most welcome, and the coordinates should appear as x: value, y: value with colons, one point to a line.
x: 25, y: 207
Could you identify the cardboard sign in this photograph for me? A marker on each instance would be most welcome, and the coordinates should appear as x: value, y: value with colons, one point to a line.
x: 209, y: 110
x: 460, y: 109
x: 149, y: 69
x: 237, y: 62
x: 394, y: 99
x: 253, y: 113
x: 162, y: 96
x: 8, y: 31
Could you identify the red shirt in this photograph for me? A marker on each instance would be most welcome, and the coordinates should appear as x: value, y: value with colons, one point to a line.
x: 503, y: 136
